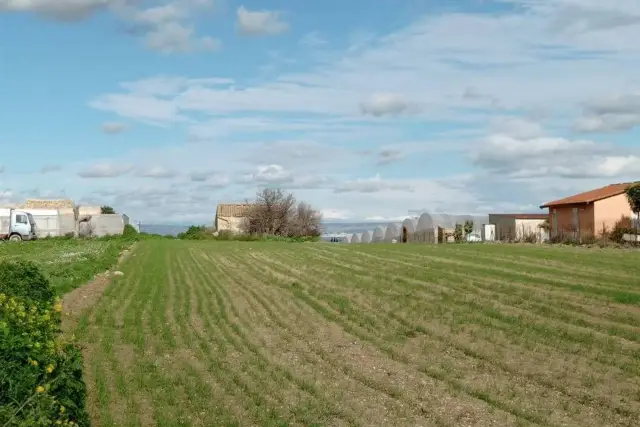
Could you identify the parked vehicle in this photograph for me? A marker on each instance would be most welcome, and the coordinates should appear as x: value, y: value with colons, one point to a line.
x: 17, y: 225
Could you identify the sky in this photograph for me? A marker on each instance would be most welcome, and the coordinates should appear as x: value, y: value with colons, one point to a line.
x: 367, y: 110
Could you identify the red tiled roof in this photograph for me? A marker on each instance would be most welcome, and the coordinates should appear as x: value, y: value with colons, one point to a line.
x: 524, y: 215
x: 591, y: 196
x: 237, y: 210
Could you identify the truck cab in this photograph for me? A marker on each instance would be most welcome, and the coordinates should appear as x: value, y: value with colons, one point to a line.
x: 16, y: 225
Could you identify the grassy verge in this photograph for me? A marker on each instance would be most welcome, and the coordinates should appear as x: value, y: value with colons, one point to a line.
x: 67, y: 263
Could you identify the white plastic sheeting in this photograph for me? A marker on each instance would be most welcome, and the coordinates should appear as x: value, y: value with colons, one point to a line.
x: 411, y: 224
x: 392, y: 232
x: 429, y: 221
x: 378, y: 234
x: 346, y: 239
x: 366, y: 237
x: 356, y: 237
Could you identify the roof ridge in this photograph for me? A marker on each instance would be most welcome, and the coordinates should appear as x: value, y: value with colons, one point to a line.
x: 591, y: 196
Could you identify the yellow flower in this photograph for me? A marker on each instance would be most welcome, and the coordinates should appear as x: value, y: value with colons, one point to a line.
x: 39, y: 389
x: 34, y: 362
x: 58, y: 422
x: 62, y: 409
x: 58, y: 307
x: 49, y: 369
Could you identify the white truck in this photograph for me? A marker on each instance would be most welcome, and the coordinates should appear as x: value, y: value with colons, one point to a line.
x: 17, y: 225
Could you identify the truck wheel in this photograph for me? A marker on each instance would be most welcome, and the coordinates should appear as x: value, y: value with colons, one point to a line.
x: 15, y: 238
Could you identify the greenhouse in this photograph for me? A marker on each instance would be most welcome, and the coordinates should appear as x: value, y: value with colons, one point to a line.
x: 378, y: 234
x: 392, y: 233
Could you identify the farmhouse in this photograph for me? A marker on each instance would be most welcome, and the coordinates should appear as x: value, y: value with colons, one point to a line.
x: 231, y: 216
x: 519, y: 226
x: 589, y: 213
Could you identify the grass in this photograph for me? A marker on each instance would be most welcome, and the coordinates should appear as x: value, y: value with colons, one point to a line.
x: 275, y: 334
x: 68, y: 263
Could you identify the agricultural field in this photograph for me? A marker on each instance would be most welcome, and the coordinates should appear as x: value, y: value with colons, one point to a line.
x: 68, y: 263
x: 276, y: 334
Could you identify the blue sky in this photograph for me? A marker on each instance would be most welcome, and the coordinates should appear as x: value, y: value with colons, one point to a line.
x: 164, y: 109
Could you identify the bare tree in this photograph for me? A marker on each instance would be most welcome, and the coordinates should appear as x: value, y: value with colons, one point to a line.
x: 274, y: 212
x: 306, y: 222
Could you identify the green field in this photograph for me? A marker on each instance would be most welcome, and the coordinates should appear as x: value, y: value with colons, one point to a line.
x: 275, y: 334
x: 68, y: 263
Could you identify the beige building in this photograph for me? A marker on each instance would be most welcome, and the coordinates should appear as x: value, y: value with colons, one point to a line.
x: 591, y: 212
x: 230, y: 216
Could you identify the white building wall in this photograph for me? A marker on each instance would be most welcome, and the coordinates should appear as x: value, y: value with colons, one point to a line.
x: 525, y: 227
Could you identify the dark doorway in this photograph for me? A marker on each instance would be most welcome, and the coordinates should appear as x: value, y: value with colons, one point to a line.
x: 404, y: 235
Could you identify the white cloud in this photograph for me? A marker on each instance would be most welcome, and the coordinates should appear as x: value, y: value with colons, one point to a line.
x: 389, y: 155
x: 174, y: 37
x: 113, y: 128
x: 517, y: 127
x: 158, y: 172
x: 372, y: 185
x: 383, y: 104
x: 105, y: 170
x: 64, y: 10
x: 336, y: 214
x: 269, y: 174
x: 164, y: 28
x: 611, y: 114
x: 553, y: 157
x: 260, y: 22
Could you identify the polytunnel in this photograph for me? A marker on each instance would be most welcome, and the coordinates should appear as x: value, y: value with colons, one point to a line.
x: 408, y: 228
x: 446, y: 220
x: 378, y: 234
x: 392, y: 233
x: 366, y: 237
x: 346, y: 239
x: 355, y: 237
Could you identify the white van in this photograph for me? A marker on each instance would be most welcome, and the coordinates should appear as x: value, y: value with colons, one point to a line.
x: 17, y: 225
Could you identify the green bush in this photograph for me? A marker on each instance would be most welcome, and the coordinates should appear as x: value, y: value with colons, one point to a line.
x: 40, y: 373
x: 196, y: 232
x: 24, y: 280
x: 129, y: 231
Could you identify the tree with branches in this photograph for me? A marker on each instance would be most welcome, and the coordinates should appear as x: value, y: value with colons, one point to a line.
x: 633, y: 196
x: 277, y: 213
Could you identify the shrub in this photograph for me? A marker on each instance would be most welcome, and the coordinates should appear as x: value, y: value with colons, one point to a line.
x: 129, y: 231
x: 529, y: 237
x: 196, y: 232
x: 40, y: 373
x: 458, y: 233
x: 623, y: 226
x: 24, y: 280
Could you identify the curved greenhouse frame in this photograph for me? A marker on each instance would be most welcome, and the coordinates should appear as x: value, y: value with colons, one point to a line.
x: 366, y: 237
x: 407, y: 229
x: 346, y: 239
x: 378, y: 234
x: 356, y: 237
x: 392, y: 233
